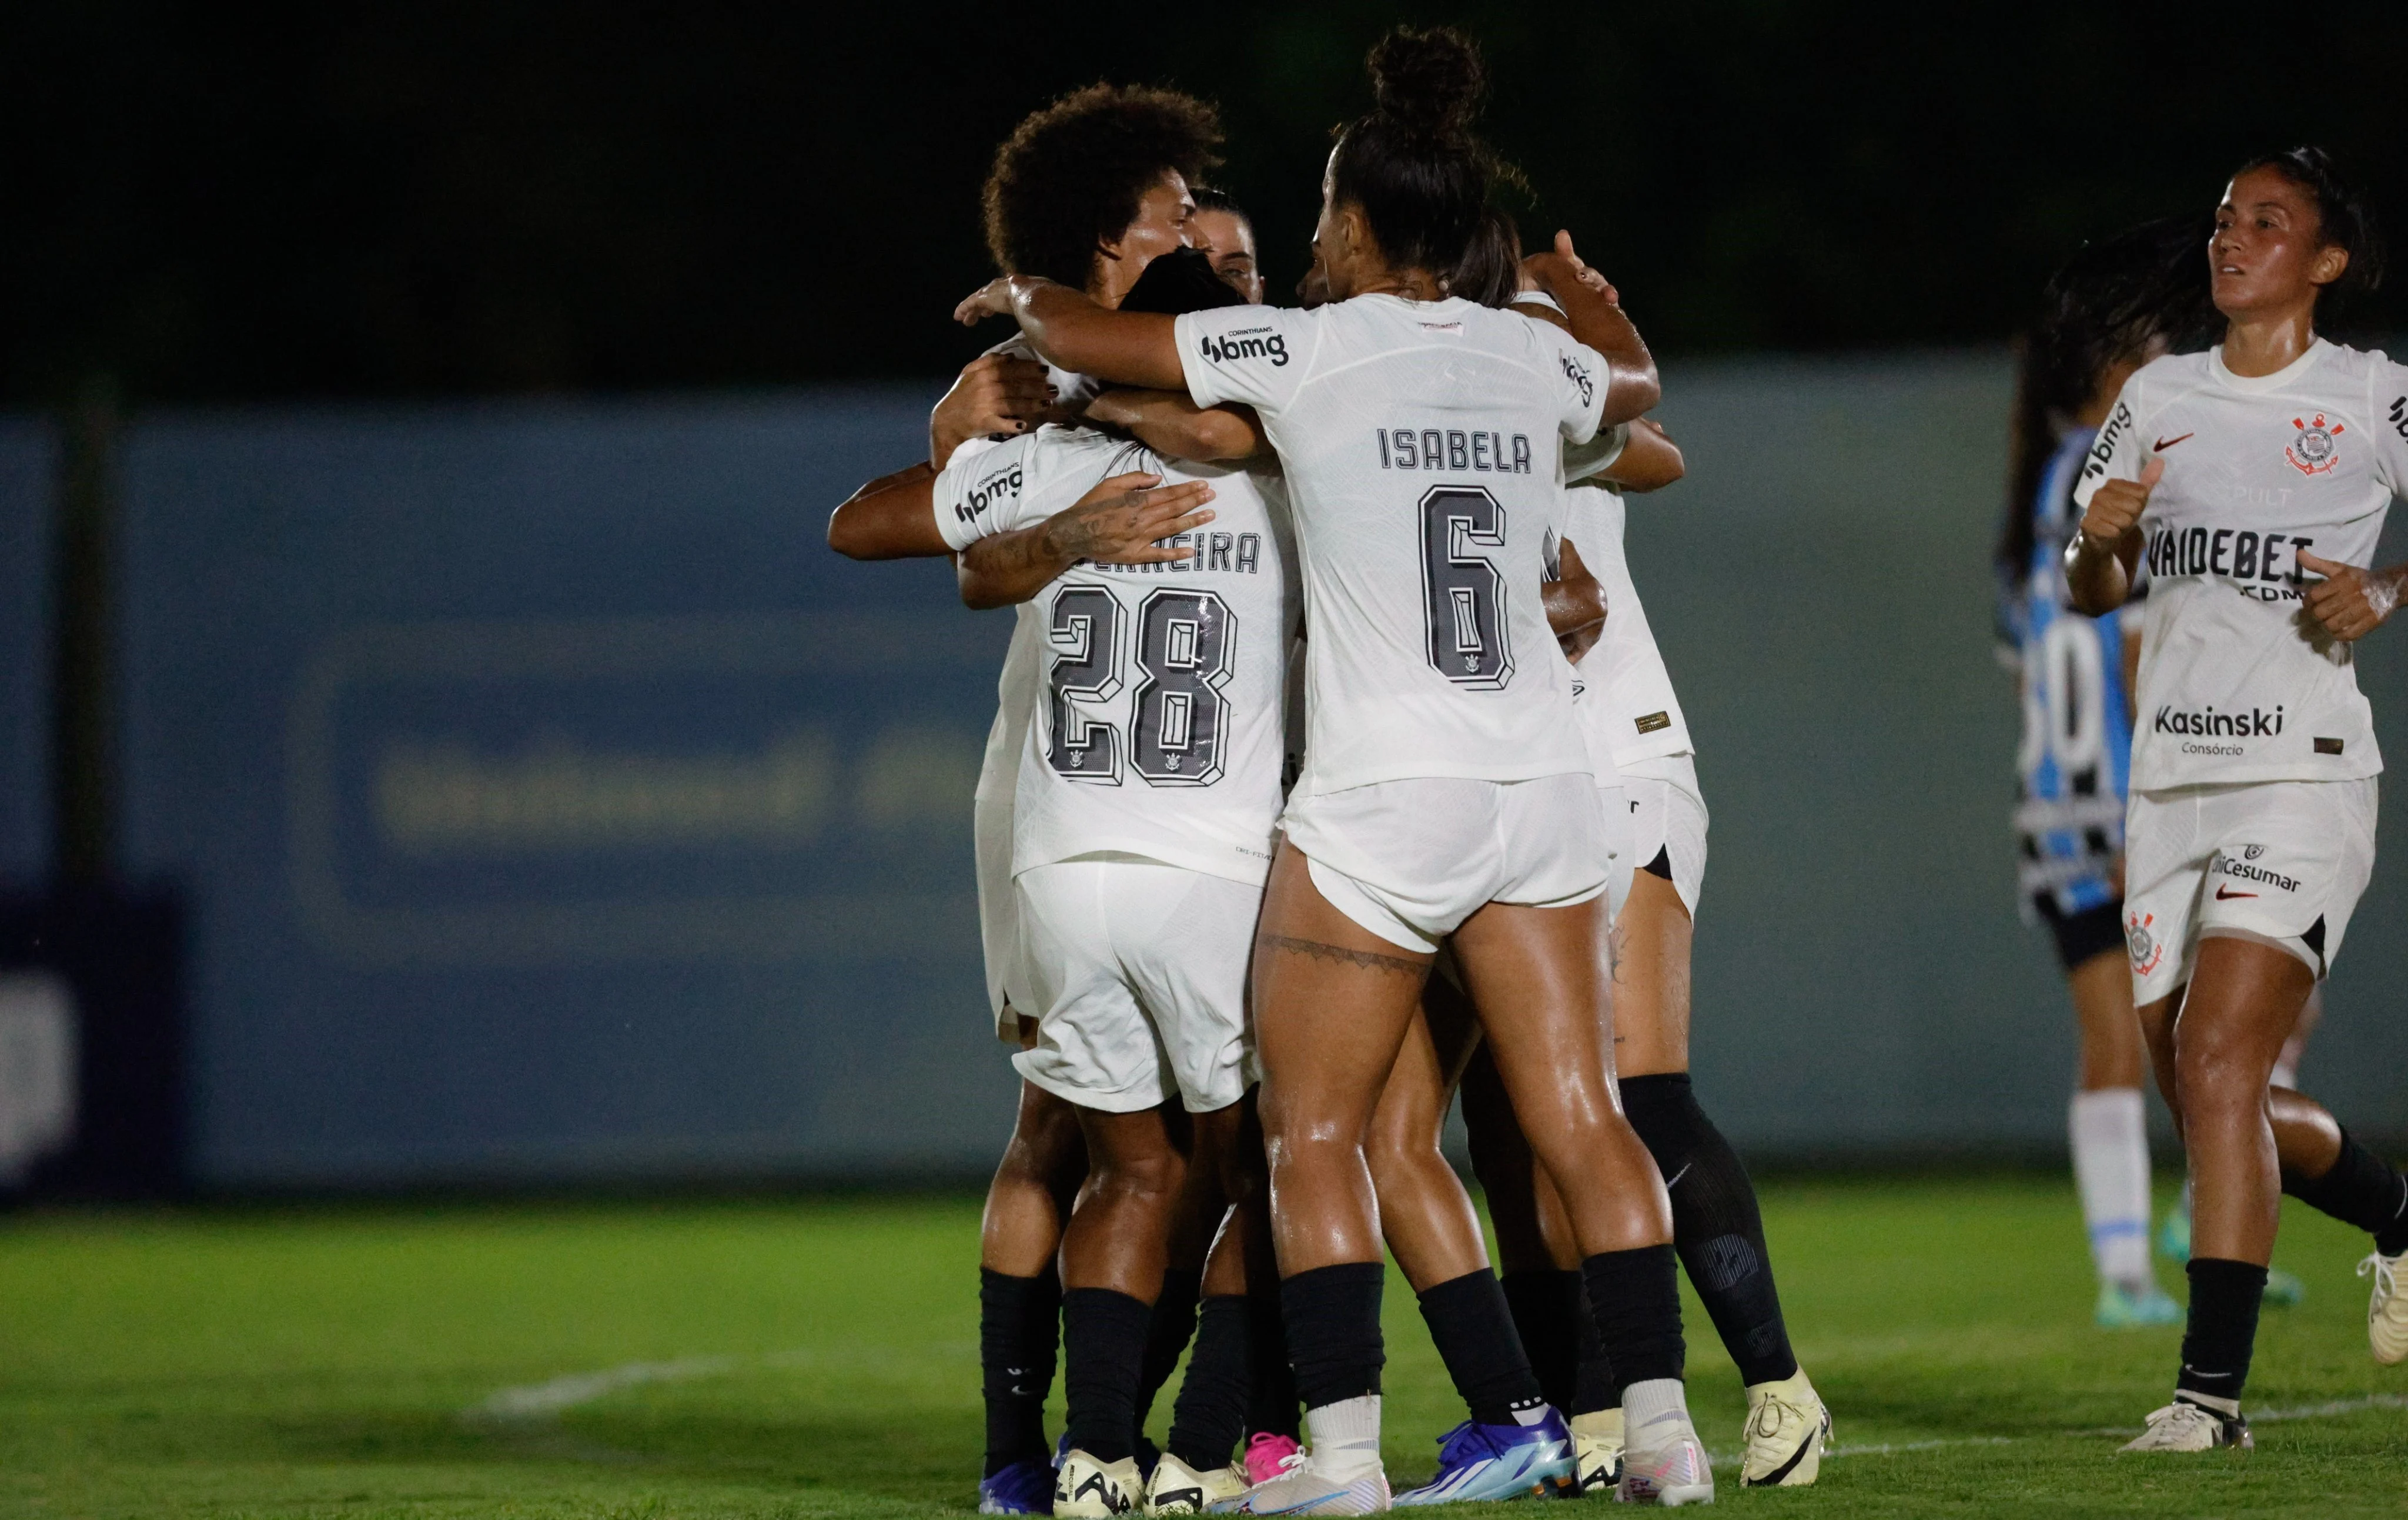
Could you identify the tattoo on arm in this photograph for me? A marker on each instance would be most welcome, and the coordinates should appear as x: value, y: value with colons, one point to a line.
x: 1368, y: 960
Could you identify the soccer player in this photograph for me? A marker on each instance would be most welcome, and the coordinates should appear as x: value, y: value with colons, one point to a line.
x: 1088, y: 190
x: 2253, y: 482
x: 1223, y: 231
x: 1445, y: 790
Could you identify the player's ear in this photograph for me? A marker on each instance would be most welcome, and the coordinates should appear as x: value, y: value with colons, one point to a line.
x: 2331, y: 262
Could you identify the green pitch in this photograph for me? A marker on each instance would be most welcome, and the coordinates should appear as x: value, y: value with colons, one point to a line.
x: 819, y: 1360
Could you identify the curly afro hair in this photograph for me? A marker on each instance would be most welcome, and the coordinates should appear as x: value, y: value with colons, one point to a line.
x: 1073, y: 174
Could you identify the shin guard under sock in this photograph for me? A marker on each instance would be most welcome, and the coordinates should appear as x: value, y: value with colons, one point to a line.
x: 1473, y: 1329
x: 1333, y: 1330
x: 1210, y: 1414
x: 1103, y: 1344
x: 2223, y: 1327
x: 1636, y: 1299
x: 1166, y: 1336
x: 1271, y: 1407
x: 1019, y: 1327
x: 1715, y: 1224
x: 2360, y: 1189
x: 1546, y: 1306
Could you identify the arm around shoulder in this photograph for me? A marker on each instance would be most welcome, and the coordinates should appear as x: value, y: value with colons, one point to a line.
x: 892, y: 517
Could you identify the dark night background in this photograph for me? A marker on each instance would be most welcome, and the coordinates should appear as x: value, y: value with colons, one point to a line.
x: 250, y: 202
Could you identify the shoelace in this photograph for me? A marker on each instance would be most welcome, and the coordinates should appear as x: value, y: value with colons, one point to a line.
x: 1773, y: 1406
x: 1466, y: 1442
x: 2387, y: 1284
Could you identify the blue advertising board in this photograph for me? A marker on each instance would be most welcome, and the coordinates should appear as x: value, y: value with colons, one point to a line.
x: 551, y: 801
x: 28, y: 484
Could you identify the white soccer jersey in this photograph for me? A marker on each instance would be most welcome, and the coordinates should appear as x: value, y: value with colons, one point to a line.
x: 1421, y: 443
x: 1071, y: 389
x: 1156, y: 723
x: 2237, y: 682
x: 1625, y: 700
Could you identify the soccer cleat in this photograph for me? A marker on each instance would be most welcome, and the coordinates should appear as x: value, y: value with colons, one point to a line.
x: 2184, y: 1427
x: 2387, y: 1311
x: 1673, y: 1473
x: 1176, y: 1488
x: 1478, y: 1461
x: 2121, y: 1308
x: 2282, y: 1290
x: 1025, y: 1487
x: 1300, y: 1488
x: 1787, y: 1428
x: 1087, y: 1489
x: 1597, y: 1451
x: 1266, y: 1455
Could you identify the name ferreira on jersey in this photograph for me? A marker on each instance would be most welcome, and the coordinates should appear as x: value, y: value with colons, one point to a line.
x: 1238, y: 553
x: 1452, y: 449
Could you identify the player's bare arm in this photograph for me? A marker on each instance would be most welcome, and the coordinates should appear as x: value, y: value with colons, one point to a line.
x: 892, y: 517
x: 1597, y: 320
x: 1175, y: 427
x: 2099, y: 562
x: 996, y: 392
x: 1133, y: 348
x: 1649, y: 461
x: 1575, y: 605
x: 2351, y: 601
x: 1123, y: 520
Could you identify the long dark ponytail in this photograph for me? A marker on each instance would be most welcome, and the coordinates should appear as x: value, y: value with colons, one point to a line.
x: 1413, y: 165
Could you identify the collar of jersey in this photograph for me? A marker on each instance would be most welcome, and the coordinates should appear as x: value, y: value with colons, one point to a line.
x: 2258, y: 383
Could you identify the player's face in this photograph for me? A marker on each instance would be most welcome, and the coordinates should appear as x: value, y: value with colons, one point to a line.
x: 2268, y: 252
x: 1229, y: 240
x: 1165, y: 216
x: 1339, y: 240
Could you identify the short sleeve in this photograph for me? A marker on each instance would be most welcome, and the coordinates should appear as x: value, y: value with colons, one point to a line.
x: 1251, y: 353
x: 2118, y: 451
x: 1583, y: 461
x: 1024, y: 480
x: 2390, y: 407
x: 1579, y: 376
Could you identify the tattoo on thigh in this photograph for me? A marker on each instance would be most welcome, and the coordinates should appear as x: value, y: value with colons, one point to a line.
x: 1368, y: 960
x: 1613, y: 954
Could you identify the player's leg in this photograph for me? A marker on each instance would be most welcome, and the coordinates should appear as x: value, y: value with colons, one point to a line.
x: 1218, y: 1393
x: 1020, y: 1298
x: 1194, y: 1222
x: 1513, y: 1444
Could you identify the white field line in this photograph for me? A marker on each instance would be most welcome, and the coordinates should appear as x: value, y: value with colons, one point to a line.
x: 541, y: 1400
x: 2266, y: 1416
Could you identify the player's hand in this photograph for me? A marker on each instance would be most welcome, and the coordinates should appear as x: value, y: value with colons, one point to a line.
x: 1123, y: 520
x: 1547, y: 270
x: 2116, y: 505
x: 2349, y: 601
x: 996, y: 393
x: 992, y: 300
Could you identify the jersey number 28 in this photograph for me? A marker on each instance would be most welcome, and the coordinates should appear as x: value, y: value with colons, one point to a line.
x: 1187, y: 648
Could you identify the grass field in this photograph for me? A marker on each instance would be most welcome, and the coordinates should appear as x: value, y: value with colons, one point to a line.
x: 819, y: 1360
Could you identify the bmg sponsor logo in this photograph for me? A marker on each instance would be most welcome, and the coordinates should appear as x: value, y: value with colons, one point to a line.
x: 1253, y: 343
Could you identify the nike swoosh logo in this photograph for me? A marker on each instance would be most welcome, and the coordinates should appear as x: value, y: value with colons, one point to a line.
x: 2163, y: 444
x: 2222, y: 893
x: 1678, y: 1175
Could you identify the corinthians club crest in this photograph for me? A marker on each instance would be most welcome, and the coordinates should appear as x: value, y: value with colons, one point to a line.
x: 2311, y: 452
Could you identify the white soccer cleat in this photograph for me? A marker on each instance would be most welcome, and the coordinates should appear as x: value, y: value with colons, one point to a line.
x: 2184, y: 1427
x: 1087, y: 1489
x: 2387, y: 1311
x: 1672, y: 1469
x: 1596, y: 1452
x: 1303, y: 1488
x: 1177, y: 1488
x: 1787, y: 1428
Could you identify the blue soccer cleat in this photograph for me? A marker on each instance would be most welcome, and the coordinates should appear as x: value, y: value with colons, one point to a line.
x: 1025, y: 1487
x: 1479, y: 1461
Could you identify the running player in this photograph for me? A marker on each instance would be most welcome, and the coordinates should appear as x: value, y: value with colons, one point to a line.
x: 1445, y: 791
x: 1088, y: 190
x: 2116, y: 306
x: 2253, y: 480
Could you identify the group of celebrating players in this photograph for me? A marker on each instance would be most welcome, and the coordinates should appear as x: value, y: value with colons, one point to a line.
x: 1336, y: 775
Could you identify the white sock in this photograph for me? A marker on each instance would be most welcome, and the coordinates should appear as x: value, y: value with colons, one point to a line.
x: 1346, y: 1434
x: 1656, y: 1413
x: 2111, y: 1166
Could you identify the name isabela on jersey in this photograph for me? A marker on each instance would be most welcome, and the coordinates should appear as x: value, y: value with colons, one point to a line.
x: 1452, y: 449
x: 1239, y: 553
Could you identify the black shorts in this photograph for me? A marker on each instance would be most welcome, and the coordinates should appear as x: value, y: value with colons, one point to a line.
x: 2081, y: 935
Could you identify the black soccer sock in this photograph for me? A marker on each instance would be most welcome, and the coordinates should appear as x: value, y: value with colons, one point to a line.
x: 2223, y: 1328
x: 1174, y: 1322
x: 1715, y: 1224
x: 1546, y: 1305
x: 1210, y: 1414
x: 1636, y: 1297
x: 1019, y: 1326
x: 1272, y: 1406
x: 1474, y: 1329
x: 1103, y: 1342
x: 1333, y: 1330
x: 1594, y: 1386
x: 2360, y: 1189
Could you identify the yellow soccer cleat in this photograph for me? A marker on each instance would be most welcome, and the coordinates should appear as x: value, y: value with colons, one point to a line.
x: 2387, y: 1311
x: 1087, y: 1489
x: 1787, y: 1428
x: 1177, y: 1488
x: 1596, y: 1452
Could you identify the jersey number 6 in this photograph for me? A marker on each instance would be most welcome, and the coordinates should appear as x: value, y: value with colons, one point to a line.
x: 1463, y: 593
x: 1186, y: 647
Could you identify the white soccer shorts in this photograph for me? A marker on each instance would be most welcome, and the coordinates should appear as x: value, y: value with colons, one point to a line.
x: 1138, y: 971
x: 1613, y: 810
x: 1410, y: 860
x: 2280, y: 861
x: 1668, y: 818
x: 998, y: 922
